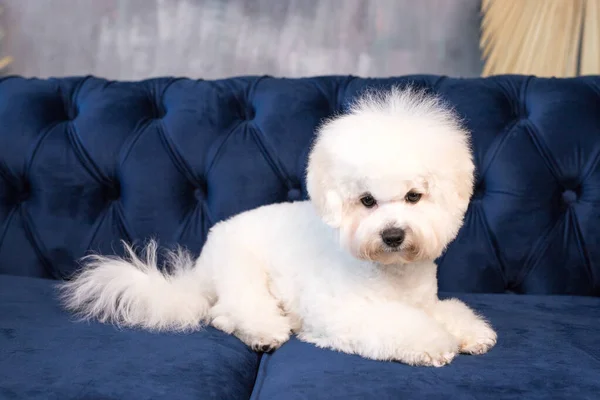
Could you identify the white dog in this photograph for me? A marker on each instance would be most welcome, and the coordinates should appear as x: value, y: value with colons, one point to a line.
x: 351, y: 270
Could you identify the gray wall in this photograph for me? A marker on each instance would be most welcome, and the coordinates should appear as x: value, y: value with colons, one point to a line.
x: 134, y: 39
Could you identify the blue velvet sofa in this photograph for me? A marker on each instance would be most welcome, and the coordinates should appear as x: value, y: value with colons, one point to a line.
x: 85, y: 162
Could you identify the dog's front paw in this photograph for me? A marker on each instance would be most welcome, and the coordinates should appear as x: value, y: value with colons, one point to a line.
x: 479, y: 340
x: 433, y: 351
x: 264, y: 340
x: 262, y: 336
x: 264, y: 343
x: 430, y: 358
x: 473, y: 332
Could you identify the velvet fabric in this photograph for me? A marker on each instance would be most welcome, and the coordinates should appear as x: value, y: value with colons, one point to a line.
x: 46, y: 355
x: 549, y: 348
x: 86, y: 162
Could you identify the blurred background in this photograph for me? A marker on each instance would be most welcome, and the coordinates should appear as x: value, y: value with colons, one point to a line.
x: 136, y: 39
x: 132, y: 39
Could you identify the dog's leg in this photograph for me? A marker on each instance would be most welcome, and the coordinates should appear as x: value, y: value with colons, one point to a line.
x: 475, y: 335
x: 245, y: 306
x: 381, y: 331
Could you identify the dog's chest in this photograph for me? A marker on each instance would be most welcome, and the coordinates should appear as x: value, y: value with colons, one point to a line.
x: 414, y: 286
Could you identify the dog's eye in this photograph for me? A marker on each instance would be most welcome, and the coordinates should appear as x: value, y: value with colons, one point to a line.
x: 413, y: 197
x: 368, y: 201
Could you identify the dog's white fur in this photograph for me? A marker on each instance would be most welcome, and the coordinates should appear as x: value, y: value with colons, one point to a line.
x: 320, y: 269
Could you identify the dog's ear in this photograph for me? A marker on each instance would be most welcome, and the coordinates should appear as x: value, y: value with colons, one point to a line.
x: 463, y: 176
x: 321, y: 188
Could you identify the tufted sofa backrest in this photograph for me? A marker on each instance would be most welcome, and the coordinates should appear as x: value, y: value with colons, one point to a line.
x: 86, y: 162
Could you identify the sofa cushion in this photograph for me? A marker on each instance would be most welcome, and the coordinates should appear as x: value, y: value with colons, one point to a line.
x: 549, y: 348
x: 44, y: 354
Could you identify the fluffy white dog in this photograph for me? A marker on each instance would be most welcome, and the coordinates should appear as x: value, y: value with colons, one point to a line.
x: 352, y: 270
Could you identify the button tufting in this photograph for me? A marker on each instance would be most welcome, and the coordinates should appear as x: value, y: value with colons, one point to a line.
x: 516, y: 234
x: 522, y: 113
x: 247, y: 113
x: 159, y: 112
x: 479, y: 191
x: 22, y: 195
x: 72, y: 113
x: 250, y: 113
x: 113, y: 192
x: 569, y: 196
x: 199, y: 194
x: 156, y: 110
x: 294, y: 194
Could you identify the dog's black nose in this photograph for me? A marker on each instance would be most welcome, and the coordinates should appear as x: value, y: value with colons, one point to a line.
x: 393, y: 237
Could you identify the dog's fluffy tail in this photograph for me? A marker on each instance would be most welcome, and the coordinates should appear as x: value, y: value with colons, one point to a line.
x: 134, y: 292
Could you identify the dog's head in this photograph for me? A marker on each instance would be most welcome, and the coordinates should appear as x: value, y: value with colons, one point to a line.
x: 394, y: 176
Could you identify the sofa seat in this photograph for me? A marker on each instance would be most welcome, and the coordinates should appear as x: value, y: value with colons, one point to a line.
x: 549, y: 348
x: 44, y: 354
